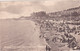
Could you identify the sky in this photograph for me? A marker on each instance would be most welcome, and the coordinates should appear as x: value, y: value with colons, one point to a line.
x: 18, y: 8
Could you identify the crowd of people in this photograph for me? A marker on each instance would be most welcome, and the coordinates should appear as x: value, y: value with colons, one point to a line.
x: 61, y: 32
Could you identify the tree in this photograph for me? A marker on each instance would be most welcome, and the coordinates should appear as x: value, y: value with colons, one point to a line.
x: 40, y: 15
x: 75, y: 14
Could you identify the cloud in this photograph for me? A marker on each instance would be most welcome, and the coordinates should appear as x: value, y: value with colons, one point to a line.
x: 4, y: 15
x: 50, y: 2
x: 26, y: 8
x: 58, y: 5
x: 14, y: 9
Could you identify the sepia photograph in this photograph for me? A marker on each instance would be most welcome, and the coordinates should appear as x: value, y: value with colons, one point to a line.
x: 40, y: 25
